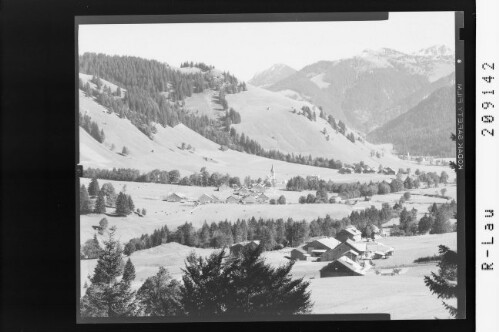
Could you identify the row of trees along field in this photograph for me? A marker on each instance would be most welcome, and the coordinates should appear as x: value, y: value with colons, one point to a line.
x: 220, y: 285
x: 356, y: 189
x: 203, y: 178
x: 145, y: 102
x: 273, y: 233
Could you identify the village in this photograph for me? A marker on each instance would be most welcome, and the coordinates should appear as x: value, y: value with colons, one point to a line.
x: 347, y: 253
x: 253, y: 194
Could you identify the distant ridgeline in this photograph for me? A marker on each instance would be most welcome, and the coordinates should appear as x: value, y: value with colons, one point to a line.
x: 425, y: 129
x: 155, y: 94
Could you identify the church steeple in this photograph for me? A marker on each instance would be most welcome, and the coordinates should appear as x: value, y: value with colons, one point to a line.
x: 272, y: 176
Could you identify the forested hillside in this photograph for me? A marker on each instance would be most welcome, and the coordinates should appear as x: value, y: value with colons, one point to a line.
x: 154, y: 91
x: 425, y: 129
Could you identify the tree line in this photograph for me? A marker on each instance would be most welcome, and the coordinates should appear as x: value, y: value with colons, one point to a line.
x: 203, y: 178
x: 219, y: 285
x: 272, y: 233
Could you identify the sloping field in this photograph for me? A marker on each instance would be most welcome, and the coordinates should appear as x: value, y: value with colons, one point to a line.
x: 267, y: 117
x: 164, y: 153
x: 409, y: 248
x: 404, y: 296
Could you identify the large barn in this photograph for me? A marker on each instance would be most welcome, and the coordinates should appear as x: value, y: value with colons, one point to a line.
x: 349, y: 233
x: 318, y: 247
x: 342, y: 249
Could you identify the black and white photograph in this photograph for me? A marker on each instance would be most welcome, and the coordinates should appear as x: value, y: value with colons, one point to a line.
x: 266, y: 169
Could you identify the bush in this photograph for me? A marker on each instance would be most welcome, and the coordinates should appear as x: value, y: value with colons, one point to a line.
x: 272, y: 201
x: 281, y: 200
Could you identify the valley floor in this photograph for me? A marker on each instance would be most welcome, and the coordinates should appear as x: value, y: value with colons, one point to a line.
x: 404, y: 296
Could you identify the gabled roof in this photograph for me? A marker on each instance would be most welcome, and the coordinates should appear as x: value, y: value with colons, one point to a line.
x: 205, y: 197
x: 350, y: 264
x: 249, y: 198
x: 377, y: 246
x: 353, y: 230
x: 176, y: 194
x: 300, y: 249
x: 359, y: 246
x: 215, y: 198
x: 329, y: 242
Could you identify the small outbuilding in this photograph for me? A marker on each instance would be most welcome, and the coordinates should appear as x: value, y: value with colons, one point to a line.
x: 300, y: 254
x: 175, y: 197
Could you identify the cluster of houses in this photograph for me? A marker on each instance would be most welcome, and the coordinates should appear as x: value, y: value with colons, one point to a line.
x: 349, y: 256
x: 241, y: 195
x: 347, y: 253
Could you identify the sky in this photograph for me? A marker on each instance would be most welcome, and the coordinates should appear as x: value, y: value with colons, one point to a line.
x: 245, y: 49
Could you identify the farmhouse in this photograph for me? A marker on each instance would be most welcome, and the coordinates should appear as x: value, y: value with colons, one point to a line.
x: 215, y: 199
x: 318, y: 247
x: 300, y: 254
x: 175, y: 197
x: 342, y: 249
x: 249, y: 200
x: 349, y: 233
x: 232, y: 199
x: 262, y: 198
x: 237, y: 248
x: 205, y: 198
x: 359, y: 247
x: 342, y: 267
x: 388, y: 171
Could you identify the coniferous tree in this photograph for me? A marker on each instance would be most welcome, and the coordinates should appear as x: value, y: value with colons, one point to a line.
x: 123, y: 207
x: 91, y: 249
x: 100, y: 204
x: 241, y: 285
x: 93, y: 187
x: 84, y: 200
x: 131, y: 206
x: 128, y: 271
x: 106, y: 296
x: 444, y: 284
x: 159, y: 295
